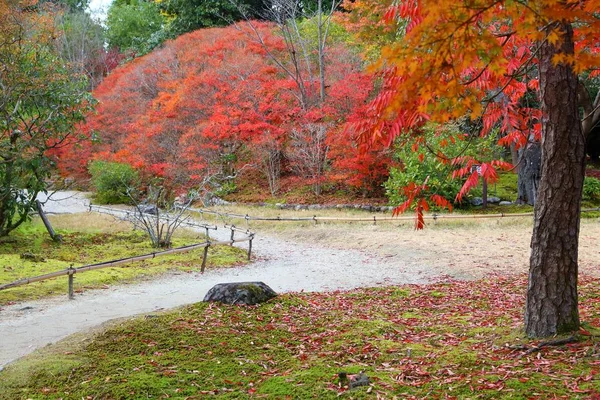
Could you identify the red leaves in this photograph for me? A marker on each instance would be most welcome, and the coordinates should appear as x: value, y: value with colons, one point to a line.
x: 416, y: 194
x: 213, y: 94
x: 441, y: 202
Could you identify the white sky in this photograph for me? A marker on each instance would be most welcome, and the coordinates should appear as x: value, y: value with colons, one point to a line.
x: 98, y: 8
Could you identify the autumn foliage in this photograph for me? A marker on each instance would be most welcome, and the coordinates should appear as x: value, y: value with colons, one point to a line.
x: 475, y: 61
x: 212, y: 102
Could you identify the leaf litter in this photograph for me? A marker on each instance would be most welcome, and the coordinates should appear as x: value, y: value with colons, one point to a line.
x: 452, y: 339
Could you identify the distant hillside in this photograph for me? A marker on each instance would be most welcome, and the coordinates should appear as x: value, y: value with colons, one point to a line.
x: 218, y: 101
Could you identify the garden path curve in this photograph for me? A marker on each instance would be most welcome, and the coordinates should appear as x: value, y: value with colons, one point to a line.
x: 286, y: 266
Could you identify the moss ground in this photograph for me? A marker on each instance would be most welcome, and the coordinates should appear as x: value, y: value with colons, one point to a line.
x: 448, y: 340
x: 90, y: 239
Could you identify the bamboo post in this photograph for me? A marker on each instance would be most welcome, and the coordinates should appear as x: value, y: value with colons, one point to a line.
x: 53, y: 235
x: 204, y: 258
x: 232, y: 234
x: 71, y: 276
x: 250, y: 247
x: 374, y: 220
x: 484, y: 191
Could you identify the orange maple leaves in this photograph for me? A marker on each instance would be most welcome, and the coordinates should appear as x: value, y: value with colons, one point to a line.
x: 476, y: 59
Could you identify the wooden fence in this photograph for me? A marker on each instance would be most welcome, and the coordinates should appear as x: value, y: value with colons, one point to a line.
x: 70, y: 272
x: 373, y: 218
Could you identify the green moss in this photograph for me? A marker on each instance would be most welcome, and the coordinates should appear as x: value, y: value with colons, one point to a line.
x: 426, y: 346
x: 81, y: 248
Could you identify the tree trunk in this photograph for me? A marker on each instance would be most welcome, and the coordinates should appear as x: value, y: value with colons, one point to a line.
x: 514, y: 156
x: 322, y: 39
x: 529, y: 174
x: 551, y: 306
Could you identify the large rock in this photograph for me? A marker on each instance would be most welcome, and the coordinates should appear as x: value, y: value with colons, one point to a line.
x: 249, y: 293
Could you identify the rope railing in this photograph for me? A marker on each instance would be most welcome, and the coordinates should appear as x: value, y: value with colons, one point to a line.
x: 70, y: 272
x: 373, y: 218
x: 164, y: 217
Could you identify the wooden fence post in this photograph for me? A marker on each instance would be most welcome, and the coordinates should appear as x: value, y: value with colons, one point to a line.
x: 71, y: 277
x: 232, y: 233
x: 204, y: 258
x: 53, y: 235
x: 250, y: 247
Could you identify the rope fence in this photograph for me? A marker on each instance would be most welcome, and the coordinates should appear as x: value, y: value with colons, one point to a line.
x: 248, y: 237
x: 373, y: 218
x: 164, y: 217
x: 70, y: 272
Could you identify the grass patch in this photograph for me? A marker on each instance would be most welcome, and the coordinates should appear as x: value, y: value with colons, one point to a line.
x: 424, y: 345
x: 101, y: 239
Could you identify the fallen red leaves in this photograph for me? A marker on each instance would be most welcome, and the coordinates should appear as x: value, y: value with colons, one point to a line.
x: 445, y: 340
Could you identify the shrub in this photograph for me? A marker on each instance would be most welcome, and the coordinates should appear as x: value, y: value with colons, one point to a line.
x: 414, y: 170
x: 112, y: 181
x: 591, y: 188
x: 431, y: 161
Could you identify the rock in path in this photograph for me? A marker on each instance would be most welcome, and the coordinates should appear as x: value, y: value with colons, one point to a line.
x: 248, y: 293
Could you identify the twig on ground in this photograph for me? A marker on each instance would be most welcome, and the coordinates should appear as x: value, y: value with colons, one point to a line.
x: 541, y: 345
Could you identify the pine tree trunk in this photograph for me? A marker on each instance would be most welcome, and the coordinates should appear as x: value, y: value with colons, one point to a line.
x: 551, y: 306
x: 529, y: 174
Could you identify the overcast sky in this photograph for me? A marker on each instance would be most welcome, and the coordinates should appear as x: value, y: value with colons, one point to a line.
x: 98, y: 8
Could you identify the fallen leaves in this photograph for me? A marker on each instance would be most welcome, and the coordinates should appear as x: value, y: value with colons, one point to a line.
x: 446, y: 340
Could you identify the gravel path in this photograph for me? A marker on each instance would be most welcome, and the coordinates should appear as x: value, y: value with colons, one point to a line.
x: 285, y: 265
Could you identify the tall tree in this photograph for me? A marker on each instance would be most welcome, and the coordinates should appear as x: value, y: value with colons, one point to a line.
x: 40, y: 101
x: 189, y: 15
x: 80, y: 41
x: 136, y: 26
x: 478, y: 58
x: 293, y: 17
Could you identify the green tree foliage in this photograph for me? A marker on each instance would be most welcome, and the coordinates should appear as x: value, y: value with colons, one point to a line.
x: 189, y: 15
x: 136, y: 26
x: 76, y: 5
x: 431, y: 161
x: 591, y: 188
x: 113, y: 181
x: 40, y: 102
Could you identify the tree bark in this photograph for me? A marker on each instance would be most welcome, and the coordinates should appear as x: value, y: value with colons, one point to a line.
x: 529, y: 174
x: 551, y: 306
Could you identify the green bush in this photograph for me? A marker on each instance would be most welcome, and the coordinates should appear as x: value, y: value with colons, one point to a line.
x: 226, y: 188
x: 417, y: 166
x: 591, y: 188
x: 413, y: 170
x: 112, y: 180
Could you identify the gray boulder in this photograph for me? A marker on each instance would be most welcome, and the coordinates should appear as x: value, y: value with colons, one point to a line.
x: 505, y: 203
x: 248, y: 293
x: 476, y: 201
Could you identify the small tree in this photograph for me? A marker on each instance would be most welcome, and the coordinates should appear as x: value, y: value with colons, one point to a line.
x: 308, y: 153
x: 41, y: 101
x: 157, y: 216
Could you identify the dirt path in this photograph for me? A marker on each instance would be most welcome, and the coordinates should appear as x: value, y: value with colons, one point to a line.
x: 282, y: 264
x: 320, y: 258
